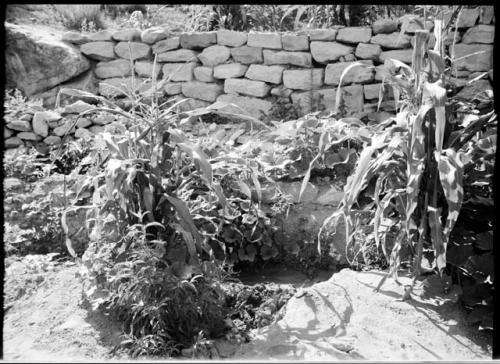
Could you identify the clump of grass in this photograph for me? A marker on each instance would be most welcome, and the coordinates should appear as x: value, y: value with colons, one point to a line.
x: 78, y: 17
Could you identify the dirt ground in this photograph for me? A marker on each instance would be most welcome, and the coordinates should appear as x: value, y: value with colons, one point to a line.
x: 336, y: 319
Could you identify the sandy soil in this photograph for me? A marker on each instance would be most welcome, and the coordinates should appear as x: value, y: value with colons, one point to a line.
x: 337, y: 319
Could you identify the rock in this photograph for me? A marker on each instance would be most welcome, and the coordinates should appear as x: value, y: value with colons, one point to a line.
x: 116, y: 68
x: 82, y: 133
x: 486, y: 14
x: 368, y: 51
x: 83, y: 123
x: 271, y: 74
x: 103, y: 35
x: 20, y: 125
x: 113, y: 128
x: 410, y: 24
x: 26, y: 117
x: 322, y: 34
x: 372, y: 91
x: 191, y: 104
x: 100, y: 51
x: 132, y: 50
x: 97, y: 129
x: 85, y: 82
x: 230, y: 70
x: 403, y: 55
x: 468, y: 17
x: 52, y: 140
x: 153, y: 35
x: 385, y: 26
x: 381, y: 72
x: 231, y: 38
x: 214, y: 55
x: 480, y: 34
x: 179, y: 71
x: 477, y: 90
x: 392, y: 41
x: 68, y: 127
x: 40, y: 126
x: 246, y: 87
x: 74, y: 38
x: 201, y: 90
x: 264, y: 40
x: 180, y: 55
x: 302, y: 59
x: 324, y: 52
x: 28, y: 135
x: 303, y: 79
x: 256, y: 108
x: 145, y: 69
x: 7, y: 133
x: 35, y: 60
x: 55, y: 123
x: 354, y: 35
x: 292, y: 42
x: 13, y: 142
x: 358, y: 74
x: 166, y: 45
x: 280, y: 91
x: 77, y: 107
x: 198, y: 40
x: 478, y: 62
x: 125, y: 35
x: 352, y: 97
x: 204, y: 74
x: 247, y: 55
x: 173, y: 88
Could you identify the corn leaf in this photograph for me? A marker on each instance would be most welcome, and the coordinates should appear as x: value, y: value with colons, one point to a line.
x: 203, y: 165
x: 186, y: 220
x: 437, y: 236
x: 344, y: 73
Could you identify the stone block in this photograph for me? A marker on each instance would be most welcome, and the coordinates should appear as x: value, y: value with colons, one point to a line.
x: 280, y: 91
x: 271, y: 74
x: 103, y: 35
x: 179, y: 71
x: 354, y: 35
x: 392, y: 41
x: 292, y: 42
x: 480, y: 34
x: 82, y: 133
x: 100, y: 51
x: 132, y: 50
x: 204, y: 74
x: 173, y: 88
x: 153, y: 35
x: 75, y: 108
x: 116, y: 68
x: 198, y: 40
x: 166, y: 45
x: 358, y: 74
x: 145, y: 69
x: 403, y: 55
x: 368, y: 51
x: 74, y: 38
x: 125, y: 35
x: 231, y: 38
x: 324, y: 52
x: 486, y: 14
x: 230, y: 70
x: 202, y: 90
x: 246, y: 87
x: 254, y: 107
x: 114, y: 87
x: 214, y: 55
x: 482, y: 61
x: 20, y: 125
x: 52, y: 140
x: 264, y: 40
x: 302, y: 59
x: 385, y: 26
x: 321, y: 34
x: 247, y: 55
x: 303, y: 79
x: 179, y: 55
x: 478, y: 90
x: 13, y: 142
x: 468, y: 17
x: 83, y: 123
x: 40, y: 126
x: 372, y: 91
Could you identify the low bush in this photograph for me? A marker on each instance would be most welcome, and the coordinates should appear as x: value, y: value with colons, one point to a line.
x: 81, y: 17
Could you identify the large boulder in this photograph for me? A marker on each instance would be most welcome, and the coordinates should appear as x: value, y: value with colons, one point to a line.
x: 36, y: 60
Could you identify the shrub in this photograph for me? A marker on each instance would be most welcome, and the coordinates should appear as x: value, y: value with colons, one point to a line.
x: 81, y: 17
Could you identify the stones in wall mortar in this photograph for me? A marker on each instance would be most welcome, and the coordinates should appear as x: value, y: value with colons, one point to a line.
x: 255, y: 67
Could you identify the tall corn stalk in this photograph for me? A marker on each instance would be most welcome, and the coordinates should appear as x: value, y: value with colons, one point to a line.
x: 416, y: 167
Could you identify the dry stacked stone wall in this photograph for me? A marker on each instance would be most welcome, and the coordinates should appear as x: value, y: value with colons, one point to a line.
x: 258, y: 71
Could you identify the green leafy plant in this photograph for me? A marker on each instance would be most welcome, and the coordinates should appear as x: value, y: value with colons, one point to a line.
x: 78, y: 17
x: 411, y: 170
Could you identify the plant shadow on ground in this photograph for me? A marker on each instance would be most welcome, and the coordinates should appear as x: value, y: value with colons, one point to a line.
x: 444, y: 308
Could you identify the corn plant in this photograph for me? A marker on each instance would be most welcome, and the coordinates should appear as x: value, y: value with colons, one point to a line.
x: 413, y: 164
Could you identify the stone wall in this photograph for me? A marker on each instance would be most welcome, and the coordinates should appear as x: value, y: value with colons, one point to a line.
x: 258, y: 71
